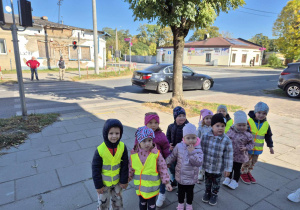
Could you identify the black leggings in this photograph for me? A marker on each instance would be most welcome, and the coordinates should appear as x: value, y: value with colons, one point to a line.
x: 149, y: 204
x: 187, y: 190
x: 236, y: 171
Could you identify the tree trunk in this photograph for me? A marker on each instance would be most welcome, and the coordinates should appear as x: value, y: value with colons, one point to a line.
x: 178, y: 41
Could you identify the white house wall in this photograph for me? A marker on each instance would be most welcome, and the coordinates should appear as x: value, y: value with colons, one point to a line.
x: 250, y: 54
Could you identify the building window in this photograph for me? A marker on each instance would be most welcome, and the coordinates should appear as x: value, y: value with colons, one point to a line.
x: 208, y: 57
x: 2, y: 46
x: 244, y: 58
x: 233, y: 57
x: 85, y: 53
x: 257, y: 57
x: 72, y: 53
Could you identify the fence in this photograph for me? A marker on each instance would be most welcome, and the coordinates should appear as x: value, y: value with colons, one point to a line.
x: 140, y: 59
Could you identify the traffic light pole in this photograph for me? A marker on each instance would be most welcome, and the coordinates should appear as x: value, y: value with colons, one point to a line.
x: 78, y: 56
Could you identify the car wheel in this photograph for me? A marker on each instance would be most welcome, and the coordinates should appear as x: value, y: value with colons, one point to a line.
x: 206, y: 84
x: 293, y: 90
x: 162, y: 87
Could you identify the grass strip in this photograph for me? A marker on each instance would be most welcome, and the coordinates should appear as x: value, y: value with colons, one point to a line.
x: 106, y: 74
x: 192, y: 108
x: 15, y: 130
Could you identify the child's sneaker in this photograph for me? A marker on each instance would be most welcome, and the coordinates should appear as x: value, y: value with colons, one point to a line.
x: 295, y: 197
x: 226, y: 181
x: 206, y: 197
x: 180, y: 206
x: 252, y: 180
x: 245, y: 178
x: 189, y: 207
x: 160, y: 200
x: 213, y: 199
x: 233, y: 184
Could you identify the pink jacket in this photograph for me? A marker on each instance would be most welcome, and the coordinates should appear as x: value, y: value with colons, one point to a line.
x: 188, y: 163
x: 161, y: 143
x: 161, y: 163
x: 240, y: 139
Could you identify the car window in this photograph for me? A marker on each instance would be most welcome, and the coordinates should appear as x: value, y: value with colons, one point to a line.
x: 171, y: 69
x: 292, y: 68
x: 167, y: 70
x: 186, y: 70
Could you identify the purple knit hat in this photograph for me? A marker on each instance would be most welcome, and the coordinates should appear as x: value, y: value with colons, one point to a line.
x: 143, y: 133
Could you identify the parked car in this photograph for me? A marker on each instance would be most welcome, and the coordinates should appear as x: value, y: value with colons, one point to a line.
x: 159, y: 77
x: 289, y: 80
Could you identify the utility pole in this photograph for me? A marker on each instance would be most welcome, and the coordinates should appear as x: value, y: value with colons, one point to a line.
x: 95, y: 37
x: 78, y: 55
x: 117, y: 39
x: 130, y: 54
x: 59, y: 4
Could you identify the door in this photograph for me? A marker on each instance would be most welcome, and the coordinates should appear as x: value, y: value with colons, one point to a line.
x: 188, y: 79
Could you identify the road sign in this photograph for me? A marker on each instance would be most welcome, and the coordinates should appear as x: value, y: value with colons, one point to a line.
x: 130, y: 43
x: 169, y: 52
x: 262, y: 48
x: 127, y: 39
x: 192, y: 48
x: 110, y: 46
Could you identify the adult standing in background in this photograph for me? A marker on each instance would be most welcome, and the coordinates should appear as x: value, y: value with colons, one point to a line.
x: 62, y: 68
x: 33, y: 64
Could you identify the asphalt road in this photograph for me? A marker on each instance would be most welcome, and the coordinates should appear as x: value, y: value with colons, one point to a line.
x: 45, y: 97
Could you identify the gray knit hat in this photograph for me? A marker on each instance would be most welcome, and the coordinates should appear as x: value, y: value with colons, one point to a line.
x: 240, y: 117
x: 222, y: 107
x: 261, y: 107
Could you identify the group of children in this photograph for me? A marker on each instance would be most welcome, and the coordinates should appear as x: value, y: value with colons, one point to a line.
x: 220, y: 145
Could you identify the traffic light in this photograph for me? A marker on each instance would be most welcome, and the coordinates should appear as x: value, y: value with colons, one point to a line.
x: 25, y: 15
x: 74, y: 45
x: 2, y: 19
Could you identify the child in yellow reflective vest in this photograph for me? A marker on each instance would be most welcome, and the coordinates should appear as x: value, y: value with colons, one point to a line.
x: 261, y: 132
x: 147, y: 168
x: 110, y: 166
x: 223, y: 110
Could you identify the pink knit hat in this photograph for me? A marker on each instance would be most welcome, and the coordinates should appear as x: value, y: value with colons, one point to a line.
x: 150, y: 117
x: 204, y: 113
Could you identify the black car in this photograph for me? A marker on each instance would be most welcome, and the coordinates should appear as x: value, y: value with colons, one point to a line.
x: 160, y: 78
x: 289, y: 80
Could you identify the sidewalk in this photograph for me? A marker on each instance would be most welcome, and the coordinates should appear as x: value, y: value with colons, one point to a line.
x: 52, y: 169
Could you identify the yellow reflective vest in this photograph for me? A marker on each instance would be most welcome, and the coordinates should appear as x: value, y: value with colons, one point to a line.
x: 228, y: 125
x: 146, y: 178
x: 258, y: 136
x: 111, y: 164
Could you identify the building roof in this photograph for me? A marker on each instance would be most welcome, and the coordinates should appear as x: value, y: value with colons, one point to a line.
x: 220, y: 42
x: 43, y: 21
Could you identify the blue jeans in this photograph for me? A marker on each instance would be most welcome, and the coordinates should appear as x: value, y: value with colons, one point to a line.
x: 162, y: 188
x: 34, y: 71
x: 172, y: 171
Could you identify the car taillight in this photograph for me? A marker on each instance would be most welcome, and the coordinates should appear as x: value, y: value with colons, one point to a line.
x: 284, y: 73
x: 147, y: 76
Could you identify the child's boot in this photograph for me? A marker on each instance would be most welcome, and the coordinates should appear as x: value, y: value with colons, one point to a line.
x: 253, y: 181
x: 213, y: 199
x: 189, y: 207
x: 180, y: 206
x: 206, y: 196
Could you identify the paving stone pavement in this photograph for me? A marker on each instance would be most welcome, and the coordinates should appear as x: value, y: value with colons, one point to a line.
x: 52, y: 169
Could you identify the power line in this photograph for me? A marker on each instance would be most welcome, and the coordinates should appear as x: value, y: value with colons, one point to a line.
x: 259, y: 10
x: 253, y: 13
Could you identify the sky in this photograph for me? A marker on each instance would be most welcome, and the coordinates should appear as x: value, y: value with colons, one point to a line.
x: 241, y: 23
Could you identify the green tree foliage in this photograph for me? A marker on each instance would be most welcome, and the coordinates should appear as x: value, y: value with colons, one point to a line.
x: 181, y: 16
x: 140, y: 49
x: 152, y: 49
x: 213, y: 31
x: 274, y: 61
x: 264, y: 41
x: 287, y: 29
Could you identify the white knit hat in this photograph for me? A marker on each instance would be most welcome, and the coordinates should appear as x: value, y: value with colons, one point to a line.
x: 240, y: 117
x: 189, y: 129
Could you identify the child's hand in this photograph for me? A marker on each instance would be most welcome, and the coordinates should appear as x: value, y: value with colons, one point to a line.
x: 171, y: 147
x: 100, y: 191
x: 226, y: 174
x: 243, y: 148
x: 169, y: 187
x: 123, y: 186
x: 168, y: 165
x: 191, y: 148
x: 271, y: 150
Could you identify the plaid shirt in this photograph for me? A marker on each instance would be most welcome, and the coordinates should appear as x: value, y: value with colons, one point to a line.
x: 218, y: 153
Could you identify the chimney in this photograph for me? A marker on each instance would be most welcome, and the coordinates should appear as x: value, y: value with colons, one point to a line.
x: 44, y: 18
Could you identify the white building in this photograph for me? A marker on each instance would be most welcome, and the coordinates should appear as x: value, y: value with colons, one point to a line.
x: 215, y: 51
x: 47, y: 41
